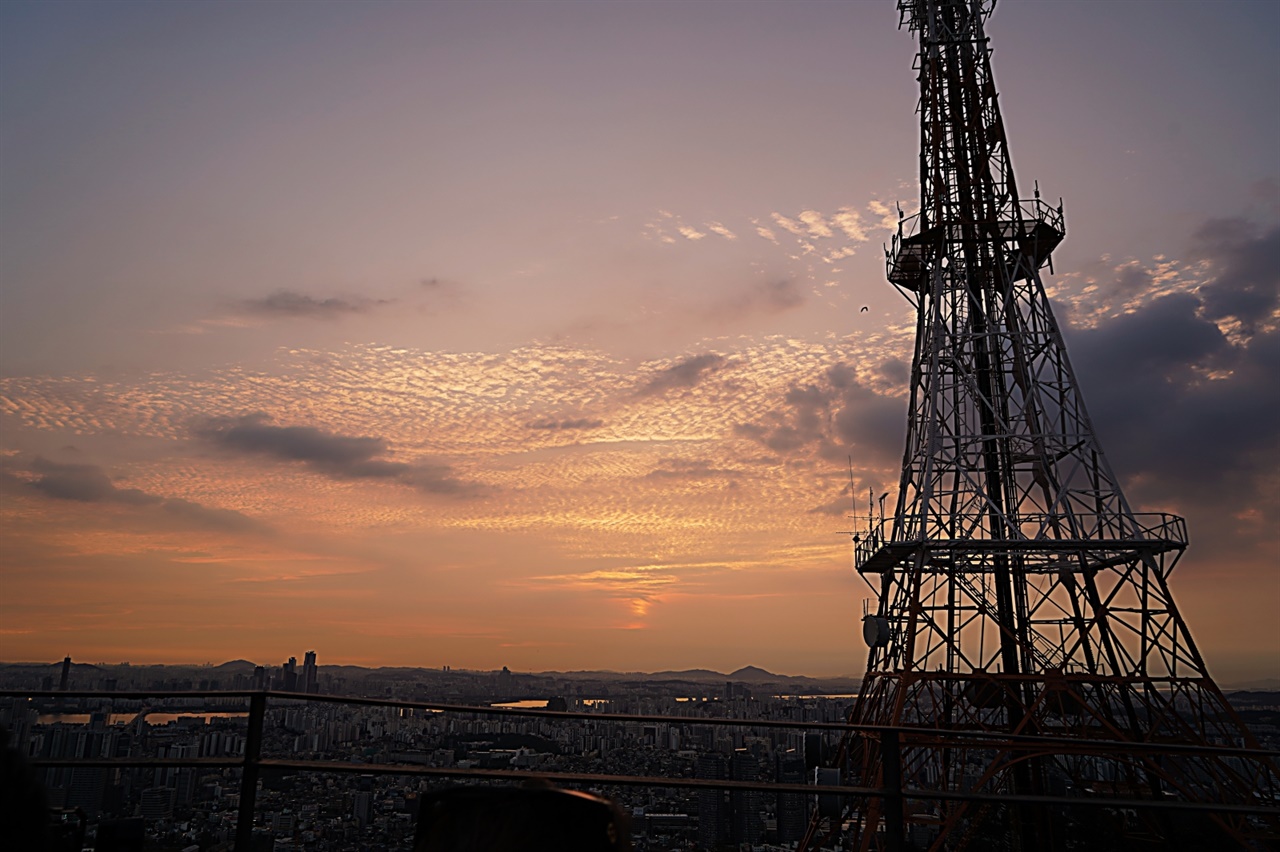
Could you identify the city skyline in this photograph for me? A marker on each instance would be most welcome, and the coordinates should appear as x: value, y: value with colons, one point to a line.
x: 534, y: 334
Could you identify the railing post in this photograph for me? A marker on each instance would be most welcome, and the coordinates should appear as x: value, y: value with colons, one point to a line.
x: 891, y: 759
x: 249, y: 774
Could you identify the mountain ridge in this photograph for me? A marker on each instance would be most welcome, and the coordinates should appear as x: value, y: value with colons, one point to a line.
x: 747, y: 673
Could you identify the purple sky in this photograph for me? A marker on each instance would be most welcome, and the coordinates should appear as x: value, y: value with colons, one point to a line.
x: 529, y: 333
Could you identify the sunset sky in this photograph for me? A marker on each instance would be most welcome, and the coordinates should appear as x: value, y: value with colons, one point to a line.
x: 530, y: 333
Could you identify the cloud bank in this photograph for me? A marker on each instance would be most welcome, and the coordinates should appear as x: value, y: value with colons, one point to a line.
x: 87, y: 483
x: 331, y: 454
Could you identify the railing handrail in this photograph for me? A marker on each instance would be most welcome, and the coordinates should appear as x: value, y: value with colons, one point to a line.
x: 1028, y: 210
x: 913, y: 731
x: 1135, y: 526
x: 892, y: 739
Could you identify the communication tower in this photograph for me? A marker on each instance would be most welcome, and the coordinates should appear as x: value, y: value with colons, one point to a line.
x: 1024, y: 641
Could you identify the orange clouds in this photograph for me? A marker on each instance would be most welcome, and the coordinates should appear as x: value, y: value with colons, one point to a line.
x: 599, y: 494
x: 603, y: 512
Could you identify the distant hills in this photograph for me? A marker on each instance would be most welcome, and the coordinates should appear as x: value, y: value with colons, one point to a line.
x: 746, y: 674
x: 235, y: 667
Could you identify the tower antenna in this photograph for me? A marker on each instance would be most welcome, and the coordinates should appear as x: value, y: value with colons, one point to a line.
x: 1019, y: 594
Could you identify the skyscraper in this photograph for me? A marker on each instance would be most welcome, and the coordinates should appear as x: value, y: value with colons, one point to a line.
x: 793, y: 811
x: 744, y: 805
x: 289, y: 675
x: 309, y: 683
x: 713, y: 814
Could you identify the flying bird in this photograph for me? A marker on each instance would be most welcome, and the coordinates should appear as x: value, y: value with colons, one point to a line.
x: 864, y: 310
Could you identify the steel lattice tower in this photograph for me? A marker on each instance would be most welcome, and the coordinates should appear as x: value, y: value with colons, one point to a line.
x: 1019, y: 593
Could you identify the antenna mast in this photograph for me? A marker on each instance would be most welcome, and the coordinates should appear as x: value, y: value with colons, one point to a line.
x: 1018, y: 592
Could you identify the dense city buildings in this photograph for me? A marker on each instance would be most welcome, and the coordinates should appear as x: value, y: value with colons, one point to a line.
x: 184, y: 806
x: 181, y: 807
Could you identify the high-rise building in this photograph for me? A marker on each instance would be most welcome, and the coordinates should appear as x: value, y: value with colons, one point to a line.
x: 157, y: 803
x: 793, y: 811
x: 289, y: 675
x: 362, y: 807
x: 86, y: 789
x: 745, y: 805
x: 713, y: 812
x: 309, y: 683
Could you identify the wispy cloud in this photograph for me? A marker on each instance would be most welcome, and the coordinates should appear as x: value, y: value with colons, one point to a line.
x: 849, y: 221
x: 662, y: 229
x: 765, y: 233
x: 790, y: 225
x: 287, y: 304
x: 441, y: 294
x: 717, y: 228
x: 816, y: 224
x: 676, y: 468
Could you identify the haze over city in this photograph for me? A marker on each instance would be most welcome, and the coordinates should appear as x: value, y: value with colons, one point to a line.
x: 533, y: 335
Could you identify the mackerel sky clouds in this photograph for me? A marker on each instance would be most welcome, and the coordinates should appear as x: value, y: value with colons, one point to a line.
x: 530, y: 334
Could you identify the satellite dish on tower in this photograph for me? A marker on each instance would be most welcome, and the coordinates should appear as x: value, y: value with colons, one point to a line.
x: 875, y: 630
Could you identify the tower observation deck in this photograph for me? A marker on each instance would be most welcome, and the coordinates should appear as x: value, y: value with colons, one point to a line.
x: 1018, y: 591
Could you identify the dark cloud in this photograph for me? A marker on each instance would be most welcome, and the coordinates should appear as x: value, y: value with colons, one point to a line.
x: 565, y: 425
x: 895, y: 371
x: 334, y: 455
x: 1188, y: 417
x: 683, y: 374
x: 339, y: 455
x: 1246, y: 259
x: 1163, y: 339
x: 287, y: 304
x: 1110, y: 286
x: 1196, y: 415
x: 86, y: 483
x: 1132, y: 279
x: 834, y: 417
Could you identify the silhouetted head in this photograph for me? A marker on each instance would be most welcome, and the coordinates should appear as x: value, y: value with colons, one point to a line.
x: 24, y: 811
x: 519, y: 819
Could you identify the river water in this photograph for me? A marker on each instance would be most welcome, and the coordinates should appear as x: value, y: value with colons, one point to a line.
x: 126, y: 718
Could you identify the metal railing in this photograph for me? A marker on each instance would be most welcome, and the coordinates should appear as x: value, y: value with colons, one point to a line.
x: 1075, y: 531
x: 892, y: 742
x: 1028, y: 224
